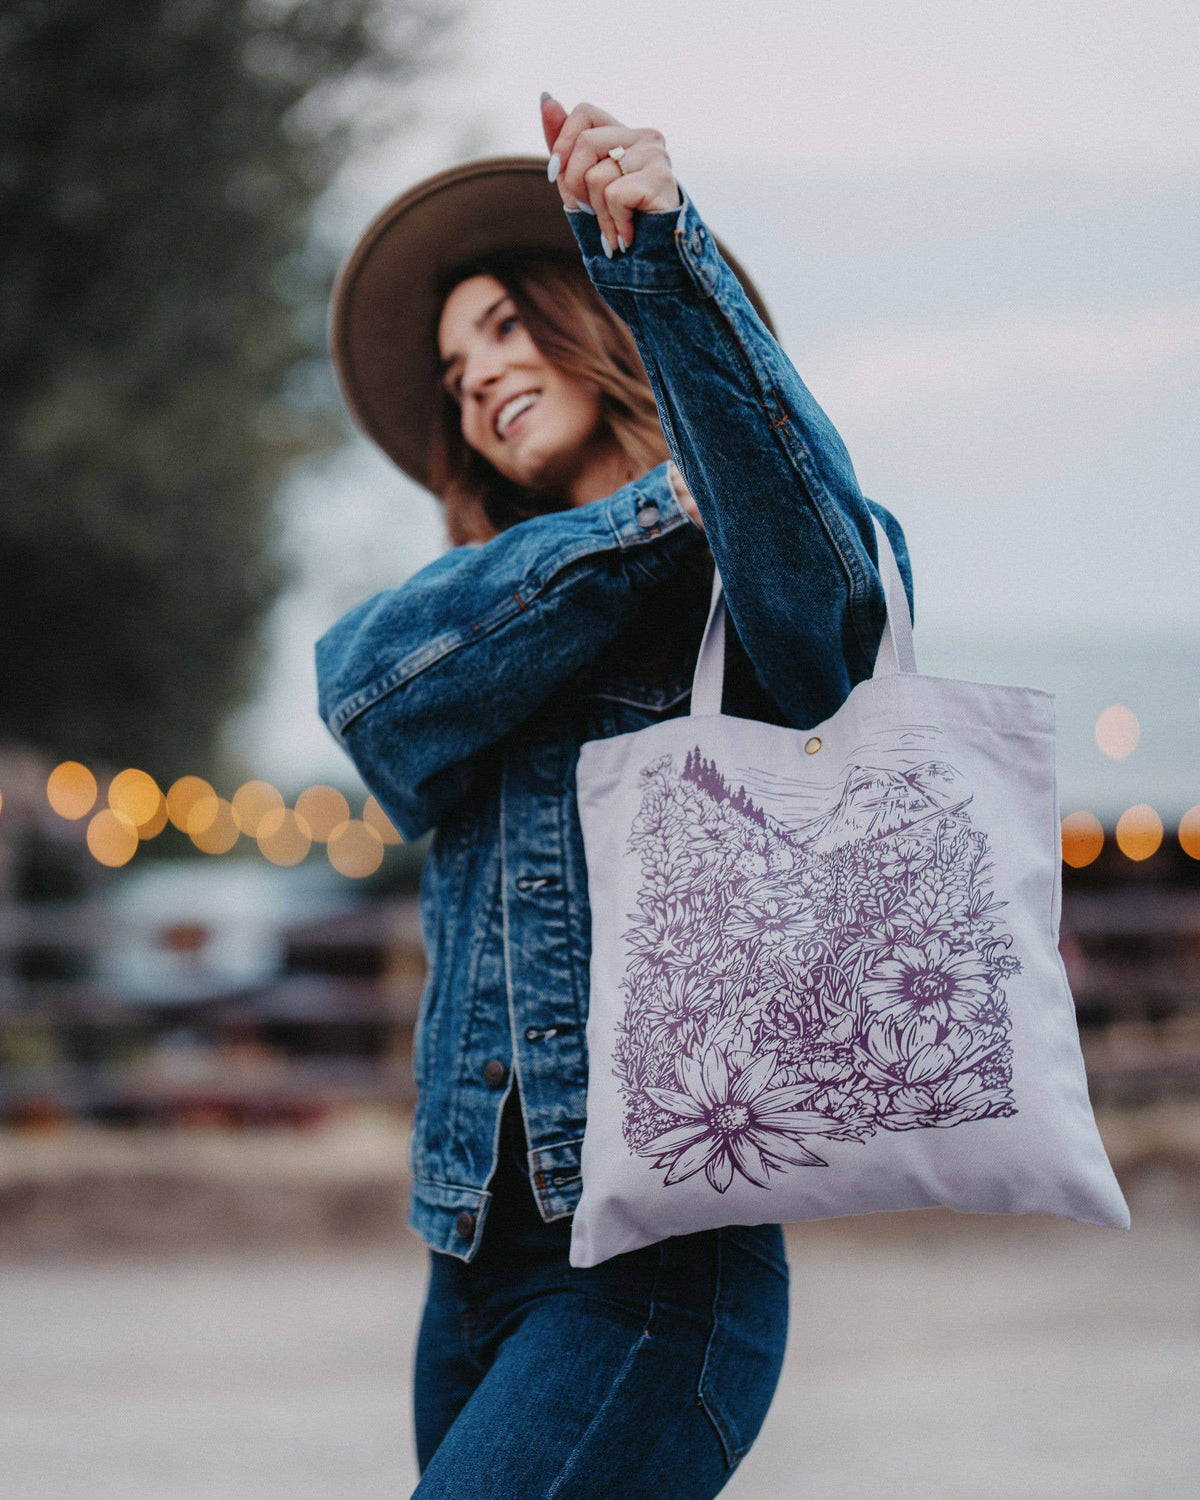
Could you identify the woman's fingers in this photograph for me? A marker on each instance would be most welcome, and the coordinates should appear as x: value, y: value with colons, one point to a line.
x: 586, y: 174
x: 642, y: 179
x: 589, y: 170
x: 650, y: 188
x: 554, y: 117
x: 598, y: 181
x: 582, y: 117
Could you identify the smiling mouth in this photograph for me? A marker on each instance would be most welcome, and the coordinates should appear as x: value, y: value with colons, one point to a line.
x: 514, y: 407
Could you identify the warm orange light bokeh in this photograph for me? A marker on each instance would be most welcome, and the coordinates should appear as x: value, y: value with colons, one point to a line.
x: 71, y: 790
x: 1189, y: 832
x: 135, y: 794
x: 202, y: 813
x: 183, y: 796
x: 251, y: 802
x: 112, y: 837
x: 355, y: 849
x: 375, y: 817
x: 1118, y: 731
x: 212, y: 826
x: 155, y: 825
x: 322, y: 808
x: 1082, y: 838
x: 1139, y: 831
x: 284, y: 837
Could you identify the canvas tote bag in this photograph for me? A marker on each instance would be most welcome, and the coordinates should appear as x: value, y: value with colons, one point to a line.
x: 825, y: 975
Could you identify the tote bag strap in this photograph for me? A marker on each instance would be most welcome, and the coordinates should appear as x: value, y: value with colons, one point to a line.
x: 709, y: 677
x: 895, y: 645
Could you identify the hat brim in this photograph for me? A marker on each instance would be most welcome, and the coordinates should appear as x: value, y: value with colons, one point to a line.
x: 387, y: 296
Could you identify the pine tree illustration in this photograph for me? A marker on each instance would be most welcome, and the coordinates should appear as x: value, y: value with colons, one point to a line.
x: 704, y: 774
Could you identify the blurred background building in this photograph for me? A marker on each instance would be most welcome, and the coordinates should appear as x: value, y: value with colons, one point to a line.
x: 976, y: 233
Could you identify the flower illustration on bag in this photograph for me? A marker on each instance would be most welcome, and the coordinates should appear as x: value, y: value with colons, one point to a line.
x: 788, y: 983
x: 735, y: 1119
x: 931, y: 982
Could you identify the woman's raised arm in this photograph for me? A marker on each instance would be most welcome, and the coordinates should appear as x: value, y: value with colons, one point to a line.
x: 415, y: 681
x: 785, y: 518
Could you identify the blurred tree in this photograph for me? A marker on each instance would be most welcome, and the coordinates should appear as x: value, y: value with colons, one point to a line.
x: 161, y: 322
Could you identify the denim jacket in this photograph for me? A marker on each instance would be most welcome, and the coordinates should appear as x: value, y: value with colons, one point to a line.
x: 463, y: 696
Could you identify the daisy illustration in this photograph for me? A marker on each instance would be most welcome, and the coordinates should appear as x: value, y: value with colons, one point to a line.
x: 929, y: 983
x: 765, y: 915
x: 676, y: 1013
x: 948, y: 1102
x: 733, y: 1119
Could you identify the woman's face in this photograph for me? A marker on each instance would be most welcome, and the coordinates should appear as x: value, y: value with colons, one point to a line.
x: 534, y: 424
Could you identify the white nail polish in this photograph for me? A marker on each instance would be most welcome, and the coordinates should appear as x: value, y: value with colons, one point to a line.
x: 605, y: 246
x: 554, y: 167
x: 621, y: 245
x: 585, y: 207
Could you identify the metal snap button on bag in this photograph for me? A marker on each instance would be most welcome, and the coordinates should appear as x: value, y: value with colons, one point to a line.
x: 825, y: 975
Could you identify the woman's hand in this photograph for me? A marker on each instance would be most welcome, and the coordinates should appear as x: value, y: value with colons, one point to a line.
x: 579, y: 143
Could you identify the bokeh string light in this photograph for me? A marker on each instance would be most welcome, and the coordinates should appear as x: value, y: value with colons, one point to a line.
x: 355, y: 849
x: 284, y: 837
x: 323, y: 808
x: 251, y: 803
x: 211, y: 825
x: 138, y: 810
x: 1117, y: 731
x: 1139, y: 831
x: 136, y: 795
x: 1082, y: 838
x: 112, y: 837
x: 71, y: 790
x: 154, y: 825
x: 183, y: 796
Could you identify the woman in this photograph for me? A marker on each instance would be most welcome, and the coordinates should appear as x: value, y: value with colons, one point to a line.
x: 572, y: 608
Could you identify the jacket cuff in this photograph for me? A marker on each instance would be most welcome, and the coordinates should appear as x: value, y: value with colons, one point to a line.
x: 672, y: 250
x: 645, y: 509
x: 641, y: 512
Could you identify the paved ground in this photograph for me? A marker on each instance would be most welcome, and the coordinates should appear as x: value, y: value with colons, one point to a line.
x: 932, y: 1358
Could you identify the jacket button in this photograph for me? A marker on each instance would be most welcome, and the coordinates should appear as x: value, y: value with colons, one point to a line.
x: 465, y: 1224
x: 495, y: 1074
x: 648, y: 516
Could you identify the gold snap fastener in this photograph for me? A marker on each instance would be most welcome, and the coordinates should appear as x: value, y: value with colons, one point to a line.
x: 812, y: 746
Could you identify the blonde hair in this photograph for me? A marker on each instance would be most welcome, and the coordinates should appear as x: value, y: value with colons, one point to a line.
x: 582, y: 338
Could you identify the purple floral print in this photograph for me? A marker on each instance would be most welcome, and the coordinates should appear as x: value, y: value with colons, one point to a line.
x: 823, y: 977
x: 737, y: 1118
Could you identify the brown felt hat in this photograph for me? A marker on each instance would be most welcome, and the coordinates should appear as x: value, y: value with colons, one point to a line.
x: 387, y: 297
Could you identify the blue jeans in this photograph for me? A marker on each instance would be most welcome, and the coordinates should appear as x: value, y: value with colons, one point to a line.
x: 648, y: 1375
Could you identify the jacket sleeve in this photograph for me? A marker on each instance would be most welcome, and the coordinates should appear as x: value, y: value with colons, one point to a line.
x: 788, y: 525
x: 417, y: 680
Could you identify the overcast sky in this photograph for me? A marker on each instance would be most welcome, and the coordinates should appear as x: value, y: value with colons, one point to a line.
x: 976, y: 228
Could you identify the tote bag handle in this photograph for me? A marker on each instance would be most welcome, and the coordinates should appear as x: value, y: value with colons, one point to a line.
x: 895, y: 645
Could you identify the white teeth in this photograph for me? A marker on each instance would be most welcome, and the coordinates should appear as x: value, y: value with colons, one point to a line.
x: 512, y: 409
